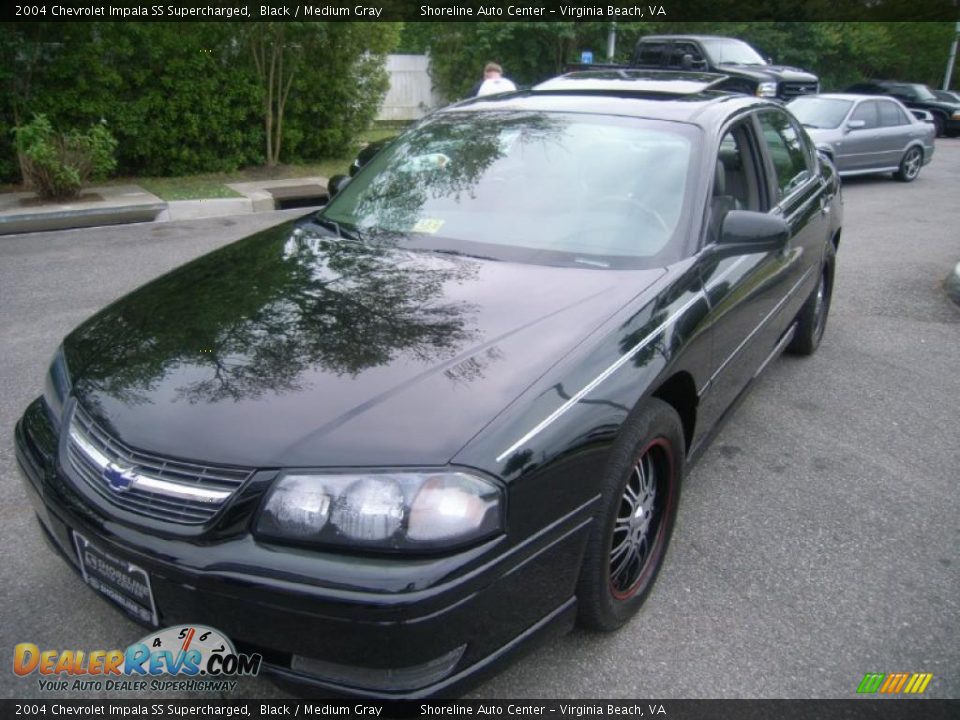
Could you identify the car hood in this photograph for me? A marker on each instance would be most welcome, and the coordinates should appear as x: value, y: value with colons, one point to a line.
x: 782, y: 73
x: 824, y: 135
x: 295, y: 348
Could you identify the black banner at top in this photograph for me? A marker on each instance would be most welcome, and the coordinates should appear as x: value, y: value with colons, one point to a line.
x: 446, y: 709
x: 481, y: 10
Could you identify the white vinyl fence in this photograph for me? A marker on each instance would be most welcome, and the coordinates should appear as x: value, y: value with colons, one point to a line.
x: 411, y: 94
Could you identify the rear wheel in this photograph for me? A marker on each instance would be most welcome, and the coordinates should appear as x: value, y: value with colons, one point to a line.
x: 630, y: 535
x: 812, y: 318
x: 910, y: 165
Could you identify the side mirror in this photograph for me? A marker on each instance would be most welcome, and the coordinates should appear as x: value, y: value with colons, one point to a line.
x: 856, y: 124
x: 336, y: 184
x: 745, y: 232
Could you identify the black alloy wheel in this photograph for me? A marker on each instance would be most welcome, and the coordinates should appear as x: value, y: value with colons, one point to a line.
x: 638, y: 508
x: 812, y: 318
x: 639, y: 525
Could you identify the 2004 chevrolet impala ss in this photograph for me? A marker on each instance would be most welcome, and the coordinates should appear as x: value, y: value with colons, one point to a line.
x: 390, y: 443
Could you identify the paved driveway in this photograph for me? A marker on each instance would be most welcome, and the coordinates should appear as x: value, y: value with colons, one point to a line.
x: 817, y: 539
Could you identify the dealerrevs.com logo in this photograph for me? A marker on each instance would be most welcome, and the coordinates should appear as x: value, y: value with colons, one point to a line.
x: 199, y: 657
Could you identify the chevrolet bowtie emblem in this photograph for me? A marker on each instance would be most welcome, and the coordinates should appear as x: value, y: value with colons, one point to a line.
x: 118, y: 478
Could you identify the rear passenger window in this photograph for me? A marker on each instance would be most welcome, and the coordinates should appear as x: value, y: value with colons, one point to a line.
x: 681, y: 49
x: 651, y: 53
x: 788, y: 150
x: 891, y: 115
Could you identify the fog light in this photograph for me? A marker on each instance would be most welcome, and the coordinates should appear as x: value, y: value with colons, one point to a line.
x: 391, y: 679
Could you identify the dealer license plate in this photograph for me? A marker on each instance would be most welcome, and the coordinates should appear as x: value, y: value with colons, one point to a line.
x: 124, y: 583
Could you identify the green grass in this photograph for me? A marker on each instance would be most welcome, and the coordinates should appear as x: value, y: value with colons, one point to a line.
x: 213, y: 185
x: 191, y: 187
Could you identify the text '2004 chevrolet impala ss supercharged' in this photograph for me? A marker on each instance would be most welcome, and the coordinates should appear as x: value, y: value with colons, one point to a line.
x: 390, y: 443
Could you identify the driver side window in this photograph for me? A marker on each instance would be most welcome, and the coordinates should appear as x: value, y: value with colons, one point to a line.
x: 867, y: 112
x: 735, y: 185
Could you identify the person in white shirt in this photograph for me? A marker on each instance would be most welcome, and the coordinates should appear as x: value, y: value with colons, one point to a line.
x: 493, y: 82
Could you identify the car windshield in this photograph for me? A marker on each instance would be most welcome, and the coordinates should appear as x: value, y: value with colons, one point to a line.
x: 547, y: 188
x: 817, y: 112
x: 727, y: 51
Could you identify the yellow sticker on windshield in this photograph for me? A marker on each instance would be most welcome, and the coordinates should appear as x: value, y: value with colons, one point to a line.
x: 427, y: 225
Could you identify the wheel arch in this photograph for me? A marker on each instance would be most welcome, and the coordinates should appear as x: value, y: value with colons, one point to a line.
x: 835, y: 239
x: 916, y: 144
x: 680, y: 392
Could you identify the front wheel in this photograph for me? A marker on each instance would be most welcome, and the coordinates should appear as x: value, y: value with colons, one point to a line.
x: 812, y: 318
x: 629, y: 538
x: 910, y: 165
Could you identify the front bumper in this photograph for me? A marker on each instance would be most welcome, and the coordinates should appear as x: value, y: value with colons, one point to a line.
x: 382, y: 618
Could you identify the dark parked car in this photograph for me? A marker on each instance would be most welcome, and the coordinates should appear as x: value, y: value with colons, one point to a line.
x: 368, y: 153
x: 865, y: 134
x: 388, y: 444
x: 946, y: 95
x: 946, y: 114
x: 746, y: 70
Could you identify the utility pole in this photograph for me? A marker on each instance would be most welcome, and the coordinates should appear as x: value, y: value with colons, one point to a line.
x: 612, y: 42
x: 948, y: 75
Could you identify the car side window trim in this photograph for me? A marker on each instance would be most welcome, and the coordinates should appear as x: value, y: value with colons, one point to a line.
x: 753, y: 170
x: 785, y: 199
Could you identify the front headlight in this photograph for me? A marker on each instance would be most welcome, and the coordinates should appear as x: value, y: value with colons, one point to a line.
x: 767, y: 89
x: 56, y: 386
x: 382, y: 510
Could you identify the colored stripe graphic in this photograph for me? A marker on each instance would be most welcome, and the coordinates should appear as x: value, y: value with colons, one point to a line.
x: 912, y: 683
x: 918, y: 683
x: 893, y: 683
x: 871, y: 683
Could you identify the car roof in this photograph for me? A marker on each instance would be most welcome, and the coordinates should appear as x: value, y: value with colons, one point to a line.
x: 656, y: 94
x: 849, y: 96
x: 690, y: 37
x: 637, y: 81
x: 884, y: 83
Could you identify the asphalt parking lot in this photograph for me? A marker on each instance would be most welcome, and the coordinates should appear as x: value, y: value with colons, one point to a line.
x: 818, y: 538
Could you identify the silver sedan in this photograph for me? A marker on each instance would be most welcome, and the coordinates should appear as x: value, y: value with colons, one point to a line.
x: 866, y: 134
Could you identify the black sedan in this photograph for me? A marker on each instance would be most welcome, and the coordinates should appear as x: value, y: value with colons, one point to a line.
x: 389, y: 444
x: 946, y: 113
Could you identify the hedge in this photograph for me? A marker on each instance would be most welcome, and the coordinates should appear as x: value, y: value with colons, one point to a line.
x: 184, y: 97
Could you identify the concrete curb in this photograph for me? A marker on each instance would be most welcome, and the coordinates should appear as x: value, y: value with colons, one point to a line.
x: 952, y: 284
x: 196, y: 209
x: 121, y: 204
x: 109, y: 205
x: 260, y: 193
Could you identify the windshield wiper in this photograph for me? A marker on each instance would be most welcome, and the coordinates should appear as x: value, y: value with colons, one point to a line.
x: 328, y: 224
x: 457, y: 253
x: 349, y: 233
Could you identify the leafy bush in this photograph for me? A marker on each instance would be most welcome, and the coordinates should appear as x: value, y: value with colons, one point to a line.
x: 57, y: 165
x: 185, y: 98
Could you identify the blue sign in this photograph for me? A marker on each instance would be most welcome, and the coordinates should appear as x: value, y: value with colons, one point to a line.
x: 586, y: 57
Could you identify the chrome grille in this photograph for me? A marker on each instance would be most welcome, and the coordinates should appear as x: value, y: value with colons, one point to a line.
x: 796, y: 89
x: 144, y: 484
